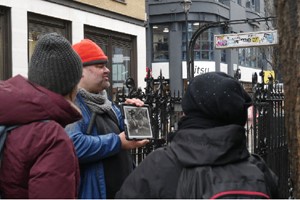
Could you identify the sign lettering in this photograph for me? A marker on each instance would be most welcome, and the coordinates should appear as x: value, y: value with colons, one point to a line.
x: 250, y: 39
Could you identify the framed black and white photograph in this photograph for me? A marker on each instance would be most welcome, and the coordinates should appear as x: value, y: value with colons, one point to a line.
x: 137, y: 122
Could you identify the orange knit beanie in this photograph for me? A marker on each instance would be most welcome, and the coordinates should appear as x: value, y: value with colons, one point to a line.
x: 90, y: 53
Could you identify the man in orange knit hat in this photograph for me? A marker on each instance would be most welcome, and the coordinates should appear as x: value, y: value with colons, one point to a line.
x: 99, y: 137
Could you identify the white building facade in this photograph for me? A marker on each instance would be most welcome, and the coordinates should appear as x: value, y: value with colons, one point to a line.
x: 122, y: 37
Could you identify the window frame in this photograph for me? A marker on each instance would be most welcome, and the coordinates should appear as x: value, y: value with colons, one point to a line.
x: 120, y: 1
x: 160, y: 42
x: 46, y: 24
x: 6, y: 64
x: 107, y: 39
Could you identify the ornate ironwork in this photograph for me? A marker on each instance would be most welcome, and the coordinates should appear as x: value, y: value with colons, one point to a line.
x: 163, y: 109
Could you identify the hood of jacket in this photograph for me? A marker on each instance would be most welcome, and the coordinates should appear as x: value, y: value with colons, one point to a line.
x: 211, y: 146
x: 23, y: 102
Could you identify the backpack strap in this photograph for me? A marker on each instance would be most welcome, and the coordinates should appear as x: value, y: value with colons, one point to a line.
x: 4, y: 130
x: 179, y: 164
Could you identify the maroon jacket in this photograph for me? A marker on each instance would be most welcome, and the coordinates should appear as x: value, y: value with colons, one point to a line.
x: 39, y: 159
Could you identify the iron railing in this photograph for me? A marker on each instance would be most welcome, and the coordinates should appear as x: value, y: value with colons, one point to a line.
x: 265, y: 128
x: 165, y: 110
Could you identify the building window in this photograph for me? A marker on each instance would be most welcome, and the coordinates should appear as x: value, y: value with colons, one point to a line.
x: 121, y: 51
x: 239, y: 2
x: 223, y: 52
x: 223, y: 56
x: 190, y: 33
x: 257, y: 5
x: 253, y: 5
x: 160, y: 42
x: 39, y: 25
x: 251, y: 57
x: 204, y: 44
x: 5, y: 44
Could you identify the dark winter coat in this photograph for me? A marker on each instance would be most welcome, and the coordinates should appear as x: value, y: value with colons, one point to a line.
x: 103, y: 164
x: 39, y: 159
x: 221, y: 156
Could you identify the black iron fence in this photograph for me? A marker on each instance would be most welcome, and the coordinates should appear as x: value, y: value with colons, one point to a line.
x: 265, y: 128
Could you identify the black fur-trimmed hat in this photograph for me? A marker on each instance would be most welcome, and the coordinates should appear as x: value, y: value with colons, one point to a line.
x: 217, y: 96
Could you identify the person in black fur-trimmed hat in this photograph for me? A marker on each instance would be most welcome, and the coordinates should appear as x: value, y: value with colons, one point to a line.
x: 216, y: 97
x: 207, y: 157
x: 39, y: 160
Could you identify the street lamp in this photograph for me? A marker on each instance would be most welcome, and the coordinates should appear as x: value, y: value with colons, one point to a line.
x: 186, y: 5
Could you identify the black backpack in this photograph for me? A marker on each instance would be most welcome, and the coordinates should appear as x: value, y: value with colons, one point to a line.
x: 249, y: 179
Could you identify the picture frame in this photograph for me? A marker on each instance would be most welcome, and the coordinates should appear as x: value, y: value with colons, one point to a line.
x: 137, y: 121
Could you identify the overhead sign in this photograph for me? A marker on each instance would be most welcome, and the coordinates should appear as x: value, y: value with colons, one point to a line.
x: 249, y: 39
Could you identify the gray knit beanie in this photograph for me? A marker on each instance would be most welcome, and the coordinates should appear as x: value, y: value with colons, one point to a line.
x: 55, y: 65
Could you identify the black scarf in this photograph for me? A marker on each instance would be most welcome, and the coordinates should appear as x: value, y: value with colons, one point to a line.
x: 195, y: 121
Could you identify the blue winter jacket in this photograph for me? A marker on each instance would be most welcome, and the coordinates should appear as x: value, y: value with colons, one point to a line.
x: 91, y: 149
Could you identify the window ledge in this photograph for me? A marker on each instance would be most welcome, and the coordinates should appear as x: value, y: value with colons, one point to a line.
x: 121, y: 1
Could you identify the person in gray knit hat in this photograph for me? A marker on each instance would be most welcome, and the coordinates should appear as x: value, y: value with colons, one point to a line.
x: 54, y: 65
x: 38, y: 159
